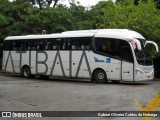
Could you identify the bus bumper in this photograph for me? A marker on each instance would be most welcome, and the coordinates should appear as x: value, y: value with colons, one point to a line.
x: 144, y: 76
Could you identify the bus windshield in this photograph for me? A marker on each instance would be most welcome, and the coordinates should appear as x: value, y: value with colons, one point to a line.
x: 143, y: 56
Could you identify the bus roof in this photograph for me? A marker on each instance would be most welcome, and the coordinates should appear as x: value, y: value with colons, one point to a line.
x: 125, y: 34
x: 95, y: 31
x: 111, y: 33
x: 58, y: 35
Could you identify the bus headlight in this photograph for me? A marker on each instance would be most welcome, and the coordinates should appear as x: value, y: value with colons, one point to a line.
x: 139, y: 72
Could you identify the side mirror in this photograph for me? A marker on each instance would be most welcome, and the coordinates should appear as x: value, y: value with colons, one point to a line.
x: 151, y: 42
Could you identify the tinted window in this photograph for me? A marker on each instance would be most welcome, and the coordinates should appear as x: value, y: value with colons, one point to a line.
x: 108, y: 46
x: 37, y: 44
x: 143, y: 56
x: 126, y: 51
x: 49, y: 44
x: 17, y: 45
x: 113, y: 47
x: 8, y: 45
x: 57, y: 44
x: 80, y: 43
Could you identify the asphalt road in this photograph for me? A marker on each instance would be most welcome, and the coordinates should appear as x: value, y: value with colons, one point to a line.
x: 20, y: 94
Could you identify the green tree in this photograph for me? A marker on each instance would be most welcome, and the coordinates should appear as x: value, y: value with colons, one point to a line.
x: 51, y: 19
x: 81, y: 18
x: 144, y: 18
x: 127, y: 2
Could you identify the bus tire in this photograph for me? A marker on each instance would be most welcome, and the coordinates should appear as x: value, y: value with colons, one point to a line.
x: 26, y: 72
x: 99, y: 76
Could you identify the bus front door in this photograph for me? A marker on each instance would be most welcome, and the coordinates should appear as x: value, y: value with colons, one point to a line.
x: 127, y: 64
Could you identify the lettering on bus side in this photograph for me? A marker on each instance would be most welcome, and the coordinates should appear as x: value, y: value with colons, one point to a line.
x: 9, y: 55
x: 86, y: 59
x: 54, y: 62
x: 38, y: 62
x: 41, y: 62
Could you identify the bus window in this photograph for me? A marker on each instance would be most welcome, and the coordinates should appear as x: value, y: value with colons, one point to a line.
x: 74, y: 44
x: 19, y: 45
x: 9, y: 45
x: 108, y: 46
x: 45, y: 44
x: 57, y: 44
x: 28, y: 45
x: 80, y: 43
x: 37, y: 45
x: 126, y: 51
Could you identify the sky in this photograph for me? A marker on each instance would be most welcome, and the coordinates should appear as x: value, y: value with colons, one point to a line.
x: 85, y: 3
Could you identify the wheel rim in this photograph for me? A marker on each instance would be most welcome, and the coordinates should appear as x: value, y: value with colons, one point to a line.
x: 26, y: 72
x: 101, y: 76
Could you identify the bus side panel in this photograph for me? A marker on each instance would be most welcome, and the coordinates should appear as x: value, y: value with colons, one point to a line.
x: 41, y: 62
x: 87, y: 64
x: 25, y: 58
x: 51, y: 59
x: 33, y: 62
x: 55, y: 62
x: 16, y: 61
x: 114, y: 69
x: 97, y: 61
x: 111, y: 66
x: 65, y: 56
x: 76, y: 63
x: 7, y: 64
x: 11, y: 62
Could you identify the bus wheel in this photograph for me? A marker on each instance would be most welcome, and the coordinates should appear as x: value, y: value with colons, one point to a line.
x: 26, y: 72
x: 99, y: 76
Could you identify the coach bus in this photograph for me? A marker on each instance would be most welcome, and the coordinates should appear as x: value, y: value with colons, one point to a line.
x: 98, y: 55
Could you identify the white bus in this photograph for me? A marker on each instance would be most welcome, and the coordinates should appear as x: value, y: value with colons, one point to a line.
x: 100, y: 55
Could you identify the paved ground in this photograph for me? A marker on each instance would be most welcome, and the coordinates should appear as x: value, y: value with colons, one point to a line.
x: 20, y: 94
